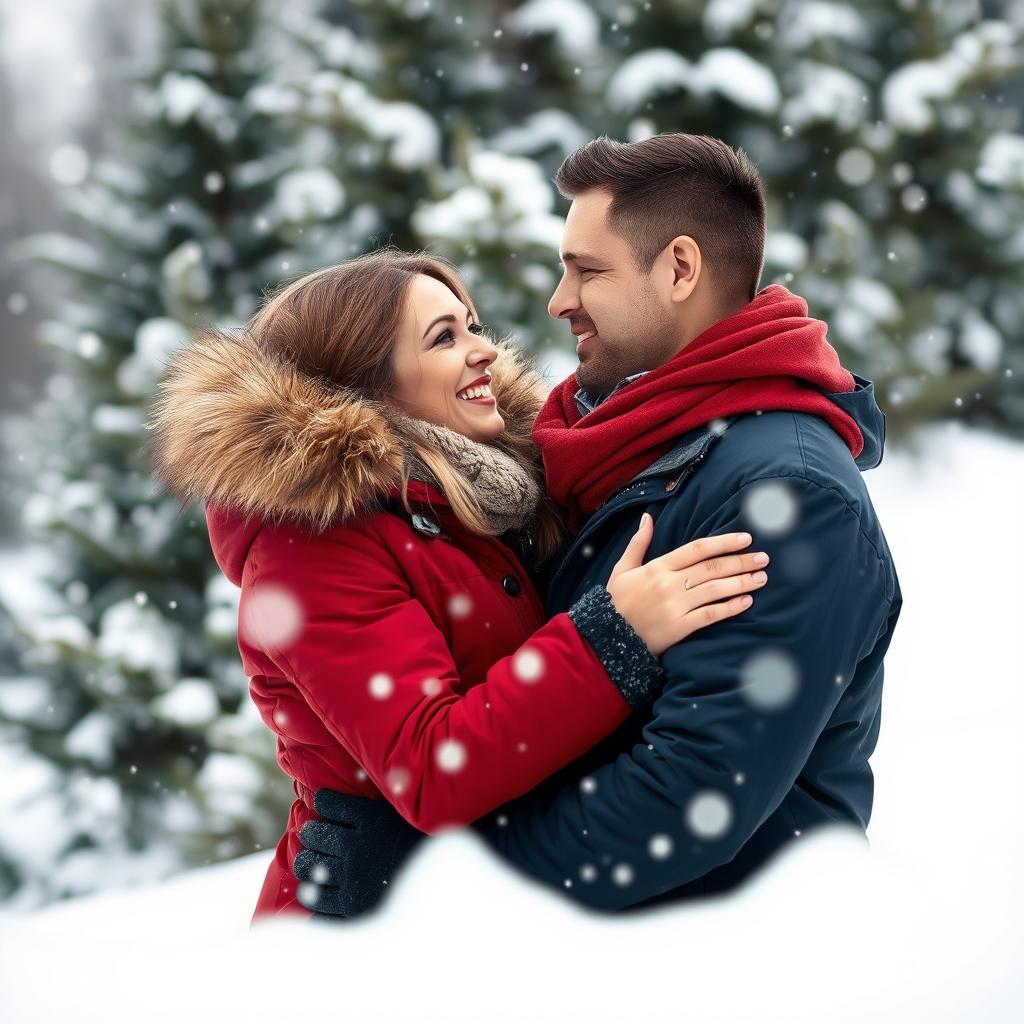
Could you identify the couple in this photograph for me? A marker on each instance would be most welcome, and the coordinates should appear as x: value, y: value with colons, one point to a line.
x: 464, y: 600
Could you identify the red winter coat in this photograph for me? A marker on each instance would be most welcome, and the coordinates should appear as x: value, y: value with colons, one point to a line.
x: 389, y: 662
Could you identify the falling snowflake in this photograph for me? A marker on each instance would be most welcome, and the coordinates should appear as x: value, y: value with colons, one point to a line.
x: 660, y: 846
x: 588, y: 873
x: 527, y: 665
x: 308, y: 894
x: 451, y: 756
x: 709, y: 814
x: 431, y: 686
x: 381, y: 685
x: 460, y: 606
x: 622, y: 874
x: 269, y: 616
x: 770, y: 507
x: 769, y: 679
x: 397, y: 780
x: 800, y: 561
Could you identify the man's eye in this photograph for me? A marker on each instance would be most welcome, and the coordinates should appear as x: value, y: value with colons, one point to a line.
x: 587, y: 270
x: 476, y: 328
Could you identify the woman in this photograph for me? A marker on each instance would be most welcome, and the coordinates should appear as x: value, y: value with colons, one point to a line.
x: 364, y: 453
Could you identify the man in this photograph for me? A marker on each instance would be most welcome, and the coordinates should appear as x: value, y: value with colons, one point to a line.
x: 716, y: 408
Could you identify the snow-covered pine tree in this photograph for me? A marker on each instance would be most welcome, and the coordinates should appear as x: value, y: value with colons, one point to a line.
x: 133, y: 708
x: 895, y: 180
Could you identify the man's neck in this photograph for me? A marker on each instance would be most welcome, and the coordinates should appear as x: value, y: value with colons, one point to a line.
x: 702, y: 320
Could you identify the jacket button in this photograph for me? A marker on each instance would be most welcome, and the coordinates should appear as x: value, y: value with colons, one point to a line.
x: 511, y: 585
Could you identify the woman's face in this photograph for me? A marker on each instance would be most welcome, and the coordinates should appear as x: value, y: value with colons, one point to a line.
x: 440, y: 352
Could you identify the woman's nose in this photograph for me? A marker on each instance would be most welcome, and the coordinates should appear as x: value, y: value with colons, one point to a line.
x: 484, y: 355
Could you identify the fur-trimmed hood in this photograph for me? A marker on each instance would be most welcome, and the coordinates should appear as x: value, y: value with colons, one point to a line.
x: 242, y: 428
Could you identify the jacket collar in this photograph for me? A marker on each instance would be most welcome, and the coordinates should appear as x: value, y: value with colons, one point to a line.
x: 587, y: 402
x: 860, y: 404
x: 688, y: 448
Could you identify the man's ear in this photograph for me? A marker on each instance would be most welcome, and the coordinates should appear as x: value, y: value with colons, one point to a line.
x: 685, y: 264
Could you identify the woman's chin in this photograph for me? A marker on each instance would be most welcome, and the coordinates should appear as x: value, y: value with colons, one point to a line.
x: 487, y: 429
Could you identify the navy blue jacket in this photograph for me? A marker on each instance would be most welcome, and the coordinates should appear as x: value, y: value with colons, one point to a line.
x: 766, y: 721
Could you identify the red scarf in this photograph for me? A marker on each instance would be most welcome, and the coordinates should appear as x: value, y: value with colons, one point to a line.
x: 769, y: 355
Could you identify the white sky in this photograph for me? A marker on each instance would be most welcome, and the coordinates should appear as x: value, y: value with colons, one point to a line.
x: 42, y: 48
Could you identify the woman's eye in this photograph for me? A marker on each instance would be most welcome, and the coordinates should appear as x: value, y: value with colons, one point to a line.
x: 445, y: 336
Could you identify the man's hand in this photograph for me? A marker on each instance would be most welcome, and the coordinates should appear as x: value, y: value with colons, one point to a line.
x: 350, y: 854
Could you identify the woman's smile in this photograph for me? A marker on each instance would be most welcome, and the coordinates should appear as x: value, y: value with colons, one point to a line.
x: 477, y: 393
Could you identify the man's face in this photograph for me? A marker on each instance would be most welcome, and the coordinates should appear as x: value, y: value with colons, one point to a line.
x: 602, y: 291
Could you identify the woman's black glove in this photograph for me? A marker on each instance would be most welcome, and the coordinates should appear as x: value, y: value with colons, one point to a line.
x: 349, y: 856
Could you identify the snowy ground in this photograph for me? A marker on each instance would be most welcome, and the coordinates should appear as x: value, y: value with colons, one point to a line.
x: 923, y: 927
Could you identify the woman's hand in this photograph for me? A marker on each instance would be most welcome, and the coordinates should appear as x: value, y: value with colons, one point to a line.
x: 692, y: 586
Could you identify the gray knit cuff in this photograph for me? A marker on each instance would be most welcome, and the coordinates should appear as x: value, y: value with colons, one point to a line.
x: 628, y: 662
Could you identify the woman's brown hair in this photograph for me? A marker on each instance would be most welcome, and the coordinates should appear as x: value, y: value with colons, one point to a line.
x: 341, y: 324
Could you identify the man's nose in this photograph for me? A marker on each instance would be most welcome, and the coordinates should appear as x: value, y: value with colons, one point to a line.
x: 565, y: 300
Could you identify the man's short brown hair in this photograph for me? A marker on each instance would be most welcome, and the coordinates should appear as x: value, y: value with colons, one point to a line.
x: 678, y: 184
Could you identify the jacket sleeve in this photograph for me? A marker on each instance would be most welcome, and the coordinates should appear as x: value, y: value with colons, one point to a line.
x: 376, y: 669
x: 743, y: 702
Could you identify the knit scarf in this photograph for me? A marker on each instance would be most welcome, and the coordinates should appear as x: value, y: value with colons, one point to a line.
x: 507, y: 491
x: 768, y: 355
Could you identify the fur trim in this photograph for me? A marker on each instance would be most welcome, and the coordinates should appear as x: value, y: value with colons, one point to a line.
x: 240, y: 427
